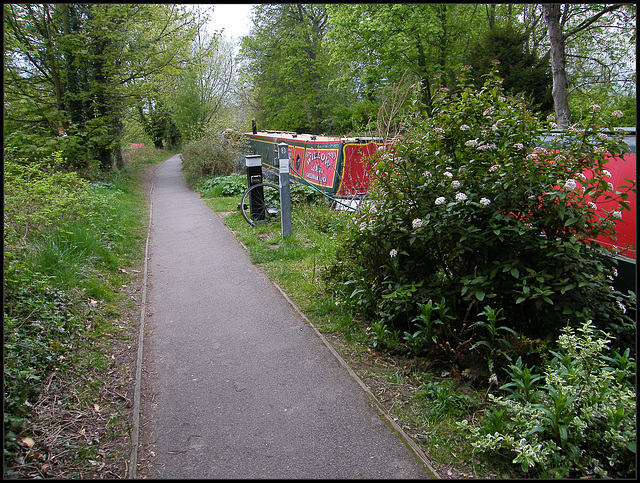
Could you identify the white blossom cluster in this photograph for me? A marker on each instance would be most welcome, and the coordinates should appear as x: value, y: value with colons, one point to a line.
x: 570, y: 184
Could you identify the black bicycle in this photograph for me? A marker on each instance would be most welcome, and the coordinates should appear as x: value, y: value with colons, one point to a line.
x: 260, y: 204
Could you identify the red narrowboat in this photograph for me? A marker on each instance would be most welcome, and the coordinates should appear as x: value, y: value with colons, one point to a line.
x: 332, y: 164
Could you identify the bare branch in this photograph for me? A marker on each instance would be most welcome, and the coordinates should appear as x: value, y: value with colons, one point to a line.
x: 587, y: 22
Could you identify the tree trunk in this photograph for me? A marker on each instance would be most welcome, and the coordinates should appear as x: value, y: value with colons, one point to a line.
x: 425, y: 85
x: 48, y: 31
x: 75, y: 71
x: 491, y: 15
x: 66, y: 31
x: 551, y: 14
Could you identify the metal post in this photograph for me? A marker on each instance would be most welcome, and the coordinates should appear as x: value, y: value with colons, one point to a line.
x: 254, y: 176
x: 285, y: 190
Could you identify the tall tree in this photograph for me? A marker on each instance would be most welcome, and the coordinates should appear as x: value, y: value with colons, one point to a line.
x: 565, y: 24
x: 204, y: 87
x: 379, y: 43
x: 523, y: 73
x: 288, y: 66
x: 83, y: 63
x: 32, y: 67
x: 184, y: 104
x: 158, y: 124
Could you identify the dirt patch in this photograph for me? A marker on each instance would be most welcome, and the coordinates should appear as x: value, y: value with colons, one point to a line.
x: 79, y: 427
x: 80, y: 423
x: 148, y: 176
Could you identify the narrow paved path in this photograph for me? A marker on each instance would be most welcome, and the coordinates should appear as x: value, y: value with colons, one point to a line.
x: 236, y: 384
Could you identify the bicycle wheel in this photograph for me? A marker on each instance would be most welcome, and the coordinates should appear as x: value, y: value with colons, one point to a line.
x: 260, y: 204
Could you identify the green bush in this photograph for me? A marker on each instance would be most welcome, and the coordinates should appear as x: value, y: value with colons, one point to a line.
x: 469, y: 206
x: 230, y: 185
x: 357, y: 118
x: 212, y: 155
x: 38, y: 197
x: 578, y: 420
x: 236, y: 185
x: 580, y: 102
x: 301, y: 193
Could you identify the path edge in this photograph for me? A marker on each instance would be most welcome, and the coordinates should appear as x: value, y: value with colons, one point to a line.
x: 135, y: 420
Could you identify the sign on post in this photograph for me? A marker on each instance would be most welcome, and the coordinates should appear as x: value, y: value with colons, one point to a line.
x: 285, y: 190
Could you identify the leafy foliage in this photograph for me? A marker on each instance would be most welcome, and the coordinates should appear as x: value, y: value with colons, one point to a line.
x: 579, y: 420
x: 230, y: 185
x: 211, y: 155
x: 366, y: 39
x: 158, y: 125
x: 288, y: 67
x: 73, y: 68
x: 357, y: 117
x: 307, y: 71
x: 470, y: 206
x: 523, y: 74
x: 236, y: 184
x: 201, y: 94
x: 442, y: 399
x: 581, y: 101
x: 38, y: 196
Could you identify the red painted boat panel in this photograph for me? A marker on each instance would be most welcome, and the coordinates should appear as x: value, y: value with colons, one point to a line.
x: 623, y: 170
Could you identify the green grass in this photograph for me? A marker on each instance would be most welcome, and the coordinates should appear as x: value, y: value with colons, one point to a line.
x: 71, y: 255
x: 296, y: 263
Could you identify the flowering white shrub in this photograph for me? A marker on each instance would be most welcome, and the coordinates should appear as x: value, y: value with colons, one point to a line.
x: 508, y: 225
x: 570, y: 185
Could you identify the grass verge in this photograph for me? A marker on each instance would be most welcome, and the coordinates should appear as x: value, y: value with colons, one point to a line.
x: 72, y: 295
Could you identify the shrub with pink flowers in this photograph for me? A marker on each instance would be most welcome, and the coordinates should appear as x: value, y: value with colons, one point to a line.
x: 478, y: 212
